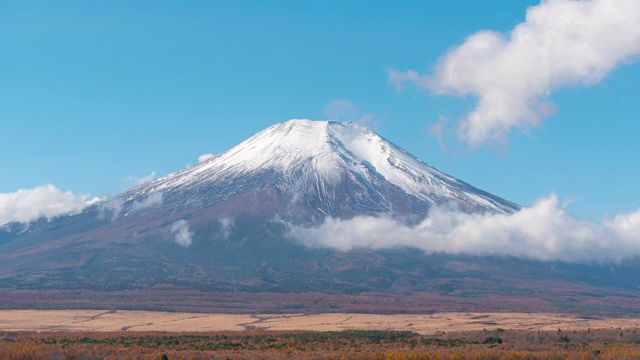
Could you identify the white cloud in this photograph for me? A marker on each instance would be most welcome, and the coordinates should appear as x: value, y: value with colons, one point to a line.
x: 134, y: 180
x: 226, y: 226
x: 151, y: 200
x: 561, y: 43
x: 181, y: 232
x: 26, y: 205
x: 546, y: 231
x: 95, y: 200
x: 205, y: 157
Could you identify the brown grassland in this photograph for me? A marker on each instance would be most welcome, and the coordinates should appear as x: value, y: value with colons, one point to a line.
x: 86, y: 334
x: 112, y: 320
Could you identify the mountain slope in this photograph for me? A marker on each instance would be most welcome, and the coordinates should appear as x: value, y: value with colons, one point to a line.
x: 216, y: 226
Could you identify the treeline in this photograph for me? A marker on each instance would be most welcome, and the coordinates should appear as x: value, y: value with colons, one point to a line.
x: 181, y: 300
x: 363, y: 344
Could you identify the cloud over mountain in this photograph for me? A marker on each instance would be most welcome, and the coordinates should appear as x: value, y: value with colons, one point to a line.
x: 181, y: 232
x: 134, y: 180
x: 150, y: 201
x: 26, y: 205
x: 547, y: 231
x: 205, y: 157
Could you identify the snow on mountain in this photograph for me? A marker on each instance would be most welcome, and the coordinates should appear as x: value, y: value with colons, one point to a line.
x: 329, y: 166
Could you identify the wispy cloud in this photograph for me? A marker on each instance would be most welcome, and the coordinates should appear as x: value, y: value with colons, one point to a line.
x: 226, y: 227
x: 135, y: 180
x: 345, y: 110
x: 26, y: 205
x: 547, y: 231
x: 153, y: 199
x: 181, y: 233
x: 95, y: 200
x: 110, y: 207
x: 205, y: 157
x: 340, y: 109
x: 561, y: 43
x: 437, y: 130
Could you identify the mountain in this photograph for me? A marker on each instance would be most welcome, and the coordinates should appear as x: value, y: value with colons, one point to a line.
x: 220, y: 226
x: 308, y: 170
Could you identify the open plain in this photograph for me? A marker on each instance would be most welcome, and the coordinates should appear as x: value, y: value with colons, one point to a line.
x: 96, y: 320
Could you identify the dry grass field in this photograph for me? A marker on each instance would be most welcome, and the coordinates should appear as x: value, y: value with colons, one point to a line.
x: 95, y: 320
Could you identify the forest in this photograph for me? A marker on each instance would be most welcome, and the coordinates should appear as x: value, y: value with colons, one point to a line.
x: 614, y: 343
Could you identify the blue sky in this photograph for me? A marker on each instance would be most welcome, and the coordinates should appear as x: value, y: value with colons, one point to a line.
x: 93, y: 92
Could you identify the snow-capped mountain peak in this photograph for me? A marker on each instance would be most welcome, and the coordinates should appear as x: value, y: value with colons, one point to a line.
x: 335, y: 168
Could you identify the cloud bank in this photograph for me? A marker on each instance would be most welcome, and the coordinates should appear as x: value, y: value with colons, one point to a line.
x: 26, y: 205
x: 561, y: 43
x: 547, y: 231
x: 181, y: 233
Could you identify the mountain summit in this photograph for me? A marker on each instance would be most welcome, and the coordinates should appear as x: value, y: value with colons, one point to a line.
x: 307, y: 170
